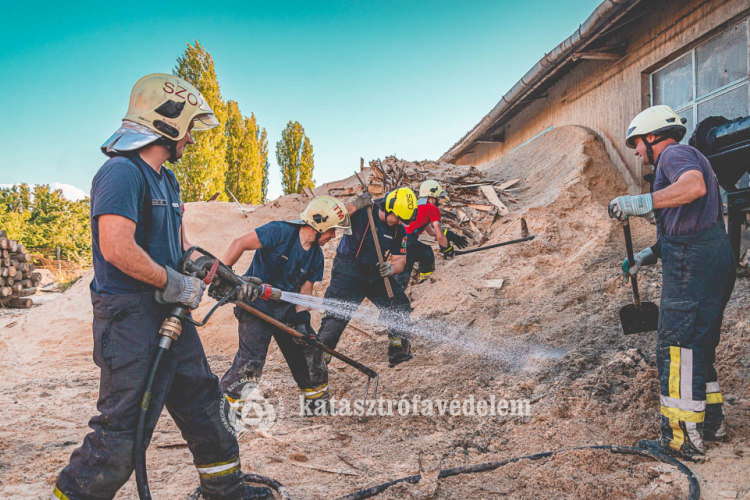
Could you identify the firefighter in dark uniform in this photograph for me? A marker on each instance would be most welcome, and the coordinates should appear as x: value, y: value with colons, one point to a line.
x: 428, y: 221
x: 287, y: 257
x: 698, y: 275
x: 356, y: 274
x: 137, y: 240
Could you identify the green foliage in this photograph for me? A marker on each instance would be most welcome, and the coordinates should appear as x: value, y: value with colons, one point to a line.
x: 202, y: 169
x: 294, y: 152
x: 247, y: 157
x: 44, y: 220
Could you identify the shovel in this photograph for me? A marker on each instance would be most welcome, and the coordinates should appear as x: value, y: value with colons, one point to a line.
x: 637, y: 317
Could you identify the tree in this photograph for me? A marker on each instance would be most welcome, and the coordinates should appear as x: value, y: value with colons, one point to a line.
x: 247, y: 156
x: 45, y: 220
x: 202, y: 169
x: 294, y: 152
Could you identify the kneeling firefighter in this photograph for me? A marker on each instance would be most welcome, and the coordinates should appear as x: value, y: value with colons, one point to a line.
x: 357, y: 275
x: 138, y: 239
x: 698, y: 276
x: 428, y: 220
x: 289, y: 258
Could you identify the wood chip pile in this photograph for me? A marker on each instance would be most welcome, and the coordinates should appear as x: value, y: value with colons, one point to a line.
x: 17, y: 277
x: 473, y: 203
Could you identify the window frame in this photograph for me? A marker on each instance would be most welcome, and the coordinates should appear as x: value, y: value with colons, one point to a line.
x: 696, y: 101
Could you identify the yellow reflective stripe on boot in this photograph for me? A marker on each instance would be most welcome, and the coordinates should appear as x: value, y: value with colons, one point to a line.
x: 58, y: 495
x: 327, y: 358
x: 235, y: 403
x: 425, y: 276
x: 394, y: 341
x: 315, y: 392
x: 219, y: 468
x: 684, y: 415
x: 678, y: 437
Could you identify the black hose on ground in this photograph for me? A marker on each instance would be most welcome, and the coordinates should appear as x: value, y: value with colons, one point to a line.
x: 141, y: 478
x: 694, y: 493
x: 255, y: 479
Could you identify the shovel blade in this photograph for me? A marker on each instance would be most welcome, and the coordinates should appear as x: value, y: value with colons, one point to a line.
x: 635, y: 320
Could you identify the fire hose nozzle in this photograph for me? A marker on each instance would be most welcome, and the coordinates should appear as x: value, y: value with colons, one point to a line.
x: 268, y: 292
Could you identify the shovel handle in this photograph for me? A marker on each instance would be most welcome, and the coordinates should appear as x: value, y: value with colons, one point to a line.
x: 631, y: 262
x: 375, y: 239
x: 294, y: 333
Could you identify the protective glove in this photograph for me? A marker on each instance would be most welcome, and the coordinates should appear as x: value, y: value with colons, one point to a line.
x: 301, y: 322
x: 250, y: 289
x: 362, y: 201
x: 643, y: 258
x: 385, y: 269
x: 456, y: 239
x: 448, y: 252
x: 624, y: 206
x: 183, y: 289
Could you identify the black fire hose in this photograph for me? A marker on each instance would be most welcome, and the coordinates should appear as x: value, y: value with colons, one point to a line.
x: 141, y: 478
x: 694, y: 493
x: 256, y: 479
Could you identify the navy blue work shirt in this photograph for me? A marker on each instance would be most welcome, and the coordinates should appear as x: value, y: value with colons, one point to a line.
x: 698, y: 215
x: 118, y: 189
x: 269, y: 265
x: 391, y: 238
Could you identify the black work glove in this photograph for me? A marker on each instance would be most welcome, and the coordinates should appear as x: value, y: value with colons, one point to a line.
x: 301, y: 322
x: 250, y: 289
x: 448, y: 252
x: 456, y: 239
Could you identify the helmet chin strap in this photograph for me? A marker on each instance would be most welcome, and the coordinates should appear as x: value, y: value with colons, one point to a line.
x: 171, y: 147
x: 650, y: 147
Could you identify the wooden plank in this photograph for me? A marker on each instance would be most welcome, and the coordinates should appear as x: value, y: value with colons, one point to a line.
x: 491, y: 195
x: 506, y: 185
x: 308, y: 192
x: 493, y: 283
x: 462, y: 217
x: 483, y: 208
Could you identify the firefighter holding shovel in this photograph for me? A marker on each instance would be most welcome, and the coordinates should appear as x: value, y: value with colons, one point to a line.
x: 698, y: 277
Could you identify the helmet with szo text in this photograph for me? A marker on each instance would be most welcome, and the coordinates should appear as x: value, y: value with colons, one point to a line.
x: 163, y: 107
x: 403, y: 203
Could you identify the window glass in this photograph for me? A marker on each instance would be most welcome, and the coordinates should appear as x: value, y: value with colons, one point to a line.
x: 673, y: 84
x: 731, y: 105
x: 688, y: 114
x: 722, y: 60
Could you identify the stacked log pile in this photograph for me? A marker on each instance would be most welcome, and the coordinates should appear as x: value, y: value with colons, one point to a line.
x: 17, y: 277
x: 473, y: 203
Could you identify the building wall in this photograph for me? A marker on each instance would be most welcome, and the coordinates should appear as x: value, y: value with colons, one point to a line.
x: 605, y: 95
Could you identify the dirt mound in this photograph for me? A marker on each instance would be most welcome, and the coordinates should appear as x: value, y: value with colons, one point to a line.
x: 554, y: 321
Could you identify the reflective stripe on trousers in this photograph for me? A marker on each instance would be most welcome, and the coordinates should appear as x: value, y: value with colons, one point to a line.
x: 697, y: 280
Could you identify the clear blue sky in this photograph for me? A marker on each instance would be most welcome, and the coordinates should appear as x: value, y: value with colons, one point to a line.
x: 365, y: 79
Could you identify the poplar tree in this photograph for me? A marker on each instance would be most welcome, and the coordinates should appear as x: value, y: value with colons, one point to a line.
x: 247, y: 156
x: 294, y: 153
x: 202, y: 169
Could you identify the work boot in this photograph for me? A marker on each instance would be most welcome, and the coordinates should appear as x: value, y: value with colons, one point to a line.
x: 687, y: 452
x: 716, y: 433
x: 424, y: 277
x: 399, y: 351
x: 318, y: 407
x: 249, y: 493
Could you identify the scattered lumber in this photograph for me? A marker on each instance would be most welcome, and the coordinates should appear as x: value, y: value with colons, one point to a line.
x: 472, y: 203
x: 17, y: 277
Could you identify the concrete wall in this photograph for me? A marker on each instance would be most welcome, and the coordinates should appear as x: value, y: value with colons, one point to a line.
x: 605, y: 95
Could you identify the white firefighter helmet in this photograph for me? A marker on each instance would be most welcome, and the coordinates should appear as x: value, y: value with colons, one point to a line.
x: 656, y: 120
x: 326, y: 212
x: 430, y: 189
x: 161, y: 105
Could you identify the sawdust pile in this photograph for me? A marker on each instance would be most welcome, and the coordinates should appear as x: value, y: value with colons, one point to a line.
x: 587, y: 383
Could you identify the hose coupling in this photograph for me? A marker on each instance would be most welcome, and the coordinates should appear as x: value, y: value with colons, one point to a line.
x: 171, y: 327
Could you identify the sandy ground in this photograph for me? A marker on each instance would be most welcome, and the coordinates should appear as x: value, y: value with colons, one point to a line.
x: 551, y: 335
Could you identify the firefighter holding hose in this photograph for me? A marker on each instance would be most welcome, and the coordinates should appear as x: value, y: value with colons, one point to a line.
x: 287, y: 257
x: 698, y: 277
x: 138, y: 239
